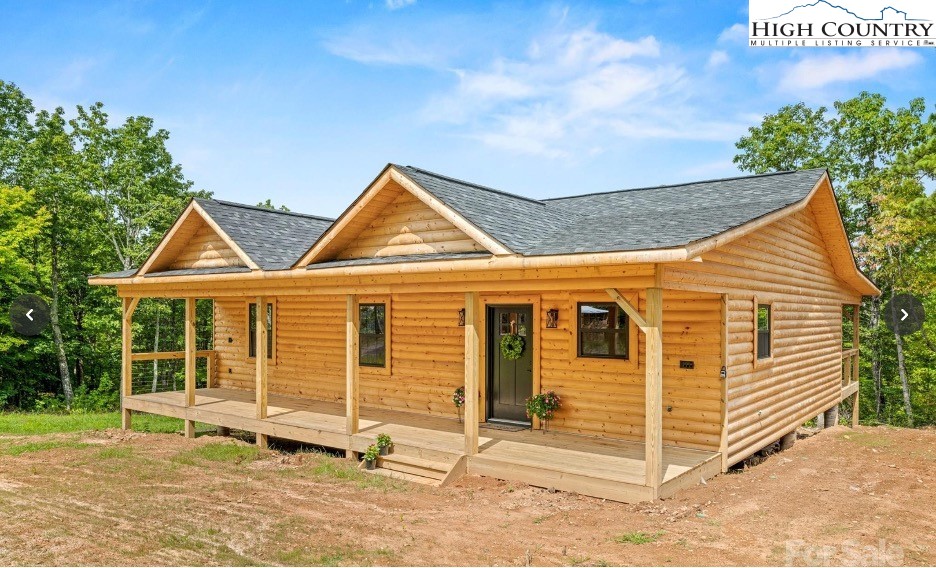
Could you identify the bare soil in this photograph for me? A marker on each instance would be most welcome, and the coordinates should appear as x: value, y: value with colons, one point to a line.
x: 844, y: 496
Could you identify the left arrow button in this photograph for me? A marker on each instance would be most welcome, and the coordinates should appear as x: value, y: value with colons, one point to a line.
x: 29, y: 314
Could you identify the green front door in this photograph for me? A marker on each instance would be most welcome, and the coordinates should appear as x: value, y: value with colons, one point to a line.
x: 510, y: 382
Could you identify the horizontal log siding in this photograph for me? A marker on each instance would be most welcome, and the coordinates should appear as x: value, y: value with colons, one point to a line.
x: 310, y: 347
x: 605, y: 397
x: 427, y: 354
x: 786, y: 265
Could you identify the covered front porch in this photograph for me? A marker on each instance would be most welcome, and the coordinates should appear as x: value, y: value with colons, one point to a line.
x: 599, y: 467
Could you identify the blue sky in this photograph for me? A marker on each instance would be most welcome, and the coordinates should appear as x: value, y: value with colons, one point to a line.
x: 305, y: 102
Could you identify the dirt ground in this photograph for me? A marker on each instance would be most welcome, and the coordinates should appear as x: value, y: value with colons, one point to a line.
x: 844, y: 496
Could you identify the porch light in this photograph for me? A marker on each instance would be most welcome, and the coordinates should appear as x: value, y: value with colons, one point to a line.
x: 461, y: 317
x: 552, y: 318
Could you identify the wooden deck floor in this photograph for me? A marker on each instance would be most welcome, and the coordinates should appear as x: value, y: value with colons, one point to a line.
x: 600, y: 467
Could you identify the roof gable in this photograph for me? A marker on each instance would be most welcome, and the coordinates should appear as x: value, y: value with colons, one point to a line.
x: 381, y: 223
x: 195, y: 241
x: 407, y: 226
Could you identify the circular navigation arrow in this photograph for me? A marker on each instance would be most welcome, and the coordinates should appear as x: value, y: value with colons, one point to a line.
x: 904, y: 314
x: 29, y: 314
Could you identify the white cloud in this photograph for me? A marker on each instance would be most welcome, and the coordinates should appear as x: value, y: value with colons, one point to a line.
x: 819, y: 71
x: 717, y: 59
x: 397, y: 4
x: 737, y: 33
x: 573, y: 92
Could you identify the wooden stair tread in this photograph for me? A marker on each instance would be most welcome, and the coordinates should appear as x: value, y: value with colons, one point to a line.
x: 404, y: 476
x: 414, y: 461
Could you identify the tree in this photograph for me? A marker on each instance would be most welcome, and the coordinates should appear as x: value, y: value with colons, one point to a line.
x: 269, y: 205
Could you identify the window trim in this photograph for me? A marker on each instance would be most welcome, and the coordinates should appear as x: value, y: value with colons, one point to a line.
x: 608, y: 332
x: 271, y: 360
x: 768, y: 360
x: 385, y: 369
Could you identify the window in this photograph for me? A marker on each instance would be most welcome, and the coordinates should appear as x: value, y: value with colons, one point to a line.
x: 372, y: 335
x: 763, y: 331
x: 602, y: 331
x: 252, y: 330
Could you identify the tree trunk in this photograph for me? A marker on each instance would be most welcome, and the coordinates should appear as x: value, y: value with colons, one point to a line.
x: 156, y: 347
x: 904, y: 384
x: 876, y: 358
x: 57, y: 328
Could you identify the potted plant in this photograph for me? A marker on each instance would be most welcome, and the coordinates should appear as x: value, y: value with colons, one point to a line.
x: 543, y: 406
x: 458, y: 398
x: 370, y: 457
x: 384, y: 444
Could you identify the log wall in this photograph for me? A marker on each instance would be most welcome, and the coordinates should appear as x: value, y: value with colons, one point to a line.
x: 784, y: 264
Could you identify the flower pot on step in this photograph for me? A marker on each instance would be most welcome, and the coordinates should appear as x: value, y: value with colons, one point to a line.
x: 370, y: 464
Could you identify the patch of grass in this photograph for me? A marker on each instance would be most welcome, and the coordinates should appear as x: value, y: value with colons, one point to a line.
x: 332, y: 556
x: 32, y: 423
x: 29, y: 447
x: 115, y: 453
x: 539, y: 520
x: 220, y: 452
x: 340, y: 469
x: 638, y: 537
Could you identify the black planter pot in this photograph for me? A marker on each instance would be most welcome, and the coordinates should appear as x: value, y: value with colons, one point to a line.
x: 384, y: 450
x: 370, y: 464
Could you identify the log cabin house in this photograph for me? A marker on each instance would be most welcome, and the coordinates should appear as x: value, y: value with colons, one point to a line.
x: 684, y: 327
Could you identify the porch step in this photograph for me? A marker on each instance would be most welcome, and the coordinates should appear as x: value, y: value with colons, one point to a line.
x: 428, y: 469
x: 404, y: 476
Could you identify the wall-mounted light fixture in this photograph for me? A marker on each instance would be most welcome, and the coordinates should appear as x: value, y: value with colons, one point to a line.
x: 552, y: 318
x: 461, y: 317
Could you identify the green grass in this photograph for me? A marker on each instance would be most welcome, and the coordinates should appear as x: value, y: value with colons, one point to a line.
x: 29, y: 447
x: 867, y: 439
x: 115, y: 453
x: 229, y: 452
x: 331, y: 556
x: 637, y: 537
x: 30, y: 424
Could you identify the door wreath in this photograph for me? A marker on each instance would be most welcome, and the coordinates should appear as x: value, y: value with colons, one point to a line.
x: 511, y: 346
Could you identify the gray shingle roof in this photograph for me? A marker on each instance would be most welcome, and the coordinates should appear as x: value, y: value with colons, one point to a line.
x: 274, y: 240
x: 633, y: 219
x: 626, y: 220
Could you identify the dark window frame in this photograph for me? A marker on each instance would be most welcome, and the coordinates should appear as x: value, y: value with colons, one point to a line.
x: 252, y: 330
x: 614, y: 311
x: 378, y: 324
x: 764, y: 337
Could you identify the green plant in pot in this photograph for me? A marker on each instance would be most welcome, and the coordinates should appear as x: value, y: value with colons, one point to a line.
x: 384, y: 444
x: 543, y: 406
x: 370, y: 456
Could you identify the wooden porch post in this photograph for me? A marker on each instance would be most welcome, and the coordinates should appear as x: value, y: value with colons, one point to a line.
x: 472, y: 371
x: 352, y: 368
x: 856, y: 335
x: 126, y: 358
x: 261, y: 365
x: 189, y: 363
x: 654, y: 391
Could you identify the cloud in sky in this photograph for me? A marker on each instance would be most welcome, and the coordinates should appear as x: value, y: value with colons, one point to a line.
x: 397, y: 4
x: 737, y: 33
x: 717, y: 59
x: 568, y: 92
x: 819, y: 71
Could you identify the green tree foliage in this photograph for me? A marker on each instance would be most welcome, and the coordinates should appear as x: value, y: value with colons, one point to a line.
x: 880, y: 160
x: 96, y: 198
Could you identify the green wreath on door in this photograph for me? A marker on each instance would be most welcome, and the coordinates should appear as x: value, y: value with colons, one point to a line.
x: 512, y: 346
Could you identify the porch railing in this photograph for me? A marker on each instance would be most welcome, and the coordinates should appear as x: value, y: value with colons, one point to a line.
x: 171, y: 378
